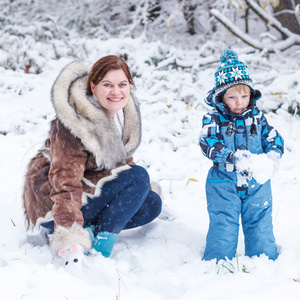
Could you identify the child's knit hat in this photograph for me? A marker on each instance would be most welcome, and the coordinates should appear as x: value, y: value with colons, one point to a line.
x: 231, y: 72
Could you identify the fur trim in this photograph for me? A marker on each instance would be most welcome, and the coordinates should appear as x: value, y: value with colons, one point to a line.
x: 42, y: 220
x: 132, y: 115
x: 100, y: 183
x: 65, y: 237
x: 89, y: 122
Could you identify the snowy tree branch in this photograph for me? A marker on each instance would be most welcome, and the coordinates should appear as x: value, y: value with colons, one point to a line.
x: 236, y: 31
x: 292, y: 39
x: 285, y: 11
x: 268, y: 18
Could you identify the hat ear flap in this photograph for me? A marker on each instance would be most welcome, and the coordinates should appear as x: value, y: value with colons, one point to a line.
x: 219, y: 97
x: 210, y: 97
x: 255, y: 95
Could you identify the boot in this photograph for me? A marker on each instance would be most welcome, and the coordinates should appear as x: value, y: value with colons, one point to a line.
x: 104, y: 242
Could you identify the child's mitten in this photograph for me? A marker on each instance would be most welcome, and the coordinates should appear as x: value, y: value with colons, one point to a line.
x: 275, y: 157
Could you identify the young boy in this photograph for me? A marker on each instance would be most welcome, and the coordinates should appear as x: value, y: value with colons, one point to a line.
x: 235, y: 136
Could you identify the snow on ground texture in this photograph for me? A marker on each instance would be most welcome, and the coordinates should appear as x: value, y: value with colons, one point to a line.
x: 162, y: 260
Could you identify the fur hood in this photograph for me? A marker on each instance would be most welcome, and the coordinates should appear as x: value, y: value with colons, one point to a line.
x: 89, y: 122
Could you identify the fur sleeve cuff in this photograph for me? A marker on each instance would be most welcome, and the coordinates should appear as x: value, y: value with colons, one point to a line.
x: 64, y: 237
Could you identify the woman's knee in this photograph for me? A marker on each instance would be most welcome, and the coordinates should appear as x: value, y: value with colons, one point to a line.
x: 139, y: 174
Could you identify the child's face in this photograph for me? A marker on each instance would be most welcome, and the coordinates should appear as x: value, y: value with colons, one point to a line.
x: 237, y: 98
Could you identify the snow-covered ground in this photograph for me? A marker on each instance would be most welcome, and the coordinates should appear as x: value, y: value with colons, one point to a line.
x: 162, y: 260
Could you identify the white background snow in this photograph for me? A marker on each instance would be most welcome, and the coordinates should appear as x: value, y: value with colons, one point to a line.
x: 162, y: 260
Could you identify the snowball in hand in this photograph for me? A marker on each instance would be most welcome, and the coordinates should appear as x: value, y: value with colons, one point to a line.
x: 242, y: 161
x: 258, y: 166
x: 262, y: 167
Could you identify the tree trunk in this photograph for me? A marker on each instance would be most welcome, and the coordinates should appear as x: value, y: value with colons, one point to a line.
x: 188, y: 12
x: 284, y: 13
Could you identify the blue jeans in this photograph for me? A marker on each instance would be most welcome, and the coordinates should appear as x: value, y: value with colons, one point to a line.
x: 125, y: 202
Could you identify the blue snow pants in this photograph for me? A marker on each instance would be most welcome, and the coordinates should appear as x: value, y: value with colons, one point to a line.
x: 125, y: 202
x: 225, y: 206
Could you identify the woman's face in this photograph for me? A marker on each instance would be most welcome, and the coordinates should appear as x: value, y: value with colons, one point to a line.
x: 112, y: 91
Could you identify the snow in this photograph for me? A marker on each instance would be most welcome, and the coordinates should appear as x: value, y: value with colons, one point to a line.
x: 162, y: 260
x: 261, y: 167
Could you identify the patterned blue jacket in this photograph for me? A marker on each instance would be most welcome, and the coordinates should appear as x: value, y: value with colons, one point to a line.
x: 223, y: 133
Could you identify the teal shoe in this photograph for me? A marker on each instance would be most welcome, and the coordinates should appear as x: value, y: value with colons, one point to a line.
x: 104, y: 242
x: 91, y: 230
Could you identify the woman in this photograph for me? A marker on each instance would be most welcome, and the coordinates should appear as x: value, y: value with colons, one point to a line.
x: 83, y: 184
